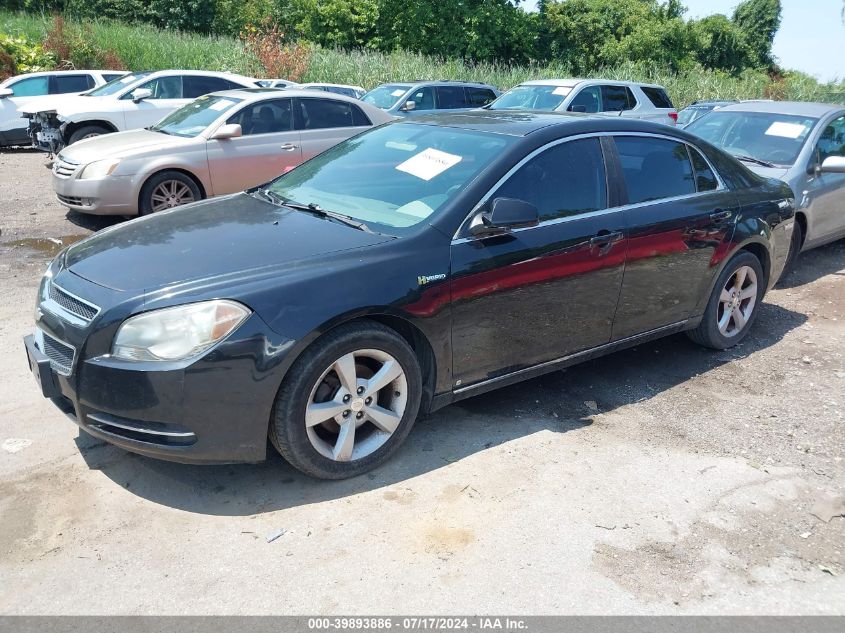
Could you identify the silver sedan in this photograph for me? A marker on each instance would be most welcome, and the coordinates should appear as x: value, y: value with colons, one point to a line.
x: 802, y: 144
x: 220, y: 143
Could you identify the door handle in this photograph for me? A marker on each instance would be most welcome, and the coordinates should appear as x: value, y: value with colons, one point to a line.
x: 605, y: 238
x: 721, y: 216
x: 289, y: 147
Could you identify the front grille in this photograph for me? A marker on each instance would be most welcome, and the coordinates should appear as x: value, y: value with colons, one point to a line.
x: 71, y: 200
x: 60, y: 354
x: 63, y: 168
x: 72, y: 304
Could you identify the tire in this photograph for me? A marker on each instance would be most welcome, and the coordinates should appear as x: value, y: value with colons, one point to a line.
x: 167, y: 190
x: 87, y: 131
x: 795, y: 245
x: 728, y: 317
x: 317, y: 449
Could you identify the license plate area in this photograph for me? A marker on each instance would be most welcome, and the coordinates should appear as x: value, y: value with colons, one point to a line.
x: 39, y: 365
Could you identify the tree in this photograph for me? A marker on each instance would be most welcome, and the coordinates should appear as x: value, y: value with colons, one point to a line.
x: 759, y: 21
x: 721, y: 44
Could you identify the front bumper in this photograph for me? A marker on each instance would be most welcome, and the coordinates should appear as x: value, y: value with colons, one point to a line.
x: 114, y: 195
x: 213, y: 410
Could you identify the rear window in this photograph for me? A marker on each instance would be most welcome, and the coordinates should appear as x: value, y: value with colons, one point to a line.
x: 658, y: 97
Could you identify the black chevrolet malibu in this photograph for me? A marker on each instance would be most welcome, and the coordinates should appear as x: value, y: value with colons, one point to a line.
x: 414, y: 265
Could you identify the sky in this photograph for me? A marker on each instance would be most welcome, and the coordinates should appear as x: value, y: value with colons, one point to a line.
x: 811, y: 36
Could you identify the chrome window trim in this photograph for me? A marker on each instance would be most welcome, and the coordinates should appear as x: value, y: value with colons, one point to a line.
x: 457, y: 239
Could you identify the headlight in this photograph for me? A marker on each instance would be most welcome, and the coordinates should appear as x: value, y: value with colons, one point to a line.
x: 98, y: 169
x: 177, y: 333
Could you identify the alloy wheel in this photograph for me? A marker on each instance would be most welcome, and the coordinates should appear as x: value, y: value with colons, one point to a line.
x: 169, y: 194
x: 737, y: 301
x: 356, y: 405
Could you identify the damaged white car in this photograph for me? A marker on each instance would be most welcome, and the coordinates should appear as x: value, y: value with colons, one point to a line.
x: 132, y: 102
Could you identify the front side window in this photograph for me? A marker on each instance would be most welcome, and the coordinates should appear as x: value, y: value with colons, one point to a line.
x: 31, y: 87
x: 766, y: 136
x: 161, y: 87
x: 267, y: 117
x: 532, y: 97
x: 451, y: 97
x: 832, y: 141
x: 423, y: 98
x: 587, y: 100
x: 395, y: 176
x: 64, y: 84
x: 564, y: 180
x: 386, y: 96
x: 191, y: 119
x: 617, y: 99
x: 654, y: 168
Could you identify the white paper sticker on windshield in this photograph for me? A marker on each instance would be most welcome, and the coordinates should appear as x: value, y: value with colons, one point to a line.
x: 397, y: 93
x: 429, y: 163
x: 220, y: 105
x: 787, y: 130
x: 562, y: 91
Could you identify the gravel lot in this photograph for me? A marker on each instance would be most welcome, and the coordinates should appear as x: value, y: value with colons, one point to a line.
x: 663, y: 479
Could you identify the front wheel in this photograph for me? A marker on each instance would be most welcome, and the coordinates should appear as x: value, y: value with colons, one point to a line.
x: 167, y: 190
x: 87, y: 131
x: 348, y: 402
x: 733, y: 304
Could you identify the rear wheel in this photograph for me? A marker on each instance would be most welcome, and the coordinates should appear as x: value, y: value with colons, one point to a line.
x: 348, y: 402
x: 167, y: 190
x: 733, y: 304
x: 87, y: 131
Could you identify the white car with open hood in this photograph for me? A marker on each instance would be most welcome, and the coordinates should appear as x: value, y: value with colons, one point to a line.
x: 134, y: 101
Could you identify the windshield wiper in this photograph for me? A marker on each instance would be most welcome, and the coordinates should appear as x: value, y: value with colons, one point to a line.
x: 317, y: 210
x: 751, y: 159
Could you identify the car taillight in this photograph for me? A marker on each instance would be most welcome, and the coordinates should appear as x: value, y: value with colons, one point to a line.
x: 674, y: 116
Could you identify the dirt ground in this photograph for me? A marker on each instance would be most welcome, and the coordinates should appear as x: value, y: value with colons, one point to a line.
x: 665, y: 479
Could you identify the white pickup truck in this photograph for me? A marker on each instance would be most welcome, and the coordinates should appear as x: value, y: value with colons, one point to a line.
x: 134, y: 101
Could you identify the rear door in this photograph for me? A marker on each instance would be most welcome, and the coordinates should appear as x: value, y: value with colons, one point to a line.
x: 540, y: 293
x: 619, y: 101
x: 323, y: 123
x: 269, y: 146
x: 679, y: 216
x: 67, y: 84
x: 451, y: 98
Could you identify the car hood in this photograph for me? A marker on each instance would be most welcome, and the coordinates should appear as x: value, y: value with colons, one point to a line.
x: 122, y: 145
x: 229, y: 236
x: 768, y: 172
x: 68, y: 105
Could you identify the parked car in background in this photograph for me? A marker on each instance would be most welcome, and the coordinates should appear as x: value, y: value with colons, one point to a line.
x: 402, y: 99
x: 698, y: 109
x: 131, y: 102
x: 356, y: 92
x: 276, y: 83
x: 219, y: 143
x: 21, y: 90
x: 802, y: 144
x: 632, y: 100
x: 421, y: 262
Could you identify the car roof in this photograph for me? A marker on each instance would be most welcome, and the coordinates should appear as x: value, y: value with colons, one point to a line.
x: 798, y: 108
x: 711, y: 102
x: 41, y: 73
x: 571, y: 82
x: 323, y: 83
x: 525, y: 122
x: 437, y: 82
x: 205, y: 73
x: 260, y: 94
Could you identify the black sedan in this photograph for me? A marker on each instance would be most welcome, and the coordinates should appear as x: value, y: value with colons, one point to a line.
x: 419, y: 263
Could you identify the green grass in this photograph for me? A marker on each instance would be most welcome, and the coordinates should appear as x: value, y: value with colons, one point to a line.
x: 148, y: 48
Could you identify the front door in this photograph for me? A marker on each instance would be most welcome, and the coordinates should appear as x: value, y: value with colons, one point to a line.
x: 166, y: 97
x: 268, y: 148
x: 540, y: 293
x: 678, y: 219
x: 827, y: 191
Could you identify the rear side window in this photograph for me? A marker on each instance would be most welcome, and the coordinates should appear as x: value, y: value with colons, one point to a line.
x: 705, y: 179
x: 315, y: 114
x: 63, y: 84
x: 358, y: 117
x: 658, y: 97
x: 565, y: 180
x: 478, y: 97
x: 450, y: 97
x: 617, y: 99
x: 197, y: 86
x: 654, y: 168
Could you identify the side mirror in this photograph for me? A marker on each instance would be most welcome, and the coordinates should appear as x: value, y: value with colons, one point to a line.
x: 227, y: 131
x: 578, y: 108
x: 505, y: 215
x: 6, y: 92
x: 833, y: 165
x: 139, y: 94
x: 408, y: 106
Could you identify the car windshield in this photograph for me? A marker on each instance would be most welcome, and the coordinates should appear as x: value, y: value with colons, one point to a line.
x: 692, y: 113
x: 531, y: 98
x: 190, y: 120
x: 765, y: 136
x: 115, y: 85
x: 385, y: 97
x: 393, y: 177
